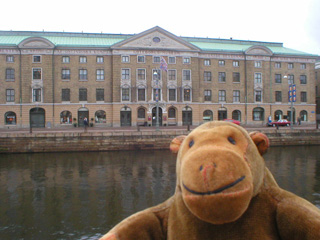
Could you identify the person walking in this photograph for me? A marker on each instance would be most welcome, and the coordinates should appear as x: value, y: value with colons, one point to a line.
x: 85, y: 122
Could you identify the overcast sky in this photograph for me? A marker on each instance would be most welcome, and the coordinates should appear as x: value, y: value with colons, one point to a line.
x: 295, y: 23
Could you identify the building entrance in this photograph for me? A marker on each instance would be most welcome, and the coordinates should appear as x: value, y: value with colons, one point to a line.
x: 37, y: 117
x: 154, y: 118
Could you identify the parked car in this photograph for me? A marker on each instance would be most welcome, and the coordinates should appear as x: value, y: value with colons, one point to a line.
x: 281, y: 122
x: 233, y: 121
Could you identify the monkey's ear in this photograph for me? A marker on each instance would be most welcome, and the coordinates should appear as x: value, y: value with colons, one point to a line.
x: 176, y: 143
x: 261, y: 141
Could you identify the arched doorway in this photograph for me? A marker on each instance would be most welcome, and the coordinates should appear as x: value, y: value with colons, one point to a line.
x: 293, y: 116
x: 125, y: 116
x: 37, y: 117
x: 207, y: 116
x: 82, y: 113
x: 222, y: 113
x: 278, y: 115
x: 154, y: 118
x: 187, y: 116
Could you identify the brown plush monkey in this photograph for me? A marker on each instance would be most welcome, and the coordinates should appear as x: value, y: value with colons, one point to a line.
x: 223, y: 191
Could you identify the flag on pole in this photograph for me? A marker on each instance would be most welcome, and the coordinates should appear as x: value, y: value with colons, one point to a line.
x: 163, y: 64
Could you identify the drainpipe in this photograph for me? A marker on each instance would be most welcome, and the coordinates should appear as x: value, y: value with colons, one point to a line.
x: 270, y: 72
x: 20, y: 86
x: 245, y: 89
x: 53, y: 100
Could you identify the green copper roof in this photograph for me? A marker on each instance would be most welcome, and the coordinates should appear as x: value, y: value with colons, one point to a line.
x: 60, y: 39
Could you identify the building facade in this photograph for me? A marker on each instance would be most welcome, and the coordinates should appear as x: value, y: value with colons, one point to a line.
x: 51, y: 79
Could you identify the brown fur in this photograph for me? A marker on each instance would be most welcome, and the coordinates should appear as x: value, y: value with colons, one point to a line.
x: 223, y: 191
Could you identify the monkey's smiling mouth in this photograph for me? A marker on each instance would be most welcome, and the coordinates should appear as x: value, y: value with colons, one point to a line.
x: 217, y: 190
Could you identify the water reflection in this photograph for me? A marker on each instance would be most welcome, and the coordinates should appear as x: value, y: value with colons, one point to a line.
x: 82, y: 195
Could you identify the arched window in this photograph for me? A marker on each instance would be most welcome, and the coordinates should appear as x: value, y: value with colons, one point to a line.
x: 10, y: 118
x: 258, y: 114
x: 304, y: 115
x: 207, y: 116
x: 65, y: 117
x: 236, y: 115
x: 278, y: 115
x: 172, y: 112
x: 100, y: 117
x: 141, y: 113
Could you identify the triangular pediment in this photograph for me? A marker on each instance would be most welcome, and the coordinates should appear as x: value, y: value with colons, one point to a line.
x: 36, y: 42
x: 156, y: 38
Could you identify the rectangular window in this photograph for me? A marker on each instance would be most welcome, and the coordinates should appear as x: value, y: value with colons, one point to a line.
x: 10, y: 59
x: 172, y: 60
x: 236, y: 77
x: 278, y: 78
x: 303, y: 96
x: 36, y: 59
x: 141, y: 94
x: 303, y: 66
x: 207, y: 76
x: 172, y: 95
x: 83, y: 94
x: 222, y: 95
x: 125, y: 94
x: 83, y: 74
x: 186, y: 75
x: 65, y: 59
x: 222, y: 77
x: 235, y: 63
x: 186, y: 60
x: 36, y: 74
x: 65, y: 74
x: 36, y: 95
x: 277, y: 65
x: 290, y: 65
x: 125, y: 73
x: 278, y: 96
x: 125, y: 59
x: 156, y: 59
x: 82, y: 59
x: 236, y: 96
x: 221, y: 63
x: 172, y: 75
x: 258, y: 96
x: 65, y: 95
x: 257, y: 64
x: 207, y: 95
x: 303, y: 79
x: 156, y: 74
x: 100, y: 74
x: 99, y: 94
x: 187, y: 95
x: 10, y: 95
x: 10, y: 74
x: 141, y: 74
x: 156, y: 94
x: 141, y: 59
x: 100, y: 59
x: 207, y: 62
x: 291, y: 79
x: 257, y: 78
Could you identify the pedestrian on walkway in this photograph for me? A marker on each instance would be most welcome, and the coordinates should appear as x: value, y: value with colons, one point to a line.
x: 85, y: 122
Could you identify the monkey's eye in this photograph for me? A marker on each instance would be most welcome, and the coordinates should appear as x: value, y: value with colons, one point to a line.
x: 191, y: 143
x: 231, y: 140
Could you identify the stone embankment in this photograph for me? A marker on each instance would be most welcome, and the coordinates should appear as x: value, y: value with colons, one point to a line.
x: 60, y: 141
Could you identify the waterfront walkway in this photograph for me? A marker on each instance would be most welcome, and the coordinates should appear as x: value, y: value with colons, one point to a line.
x: 97, y: 129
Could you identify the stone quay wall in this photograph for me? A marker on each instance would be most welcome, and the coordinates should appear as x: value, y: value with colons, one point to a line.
x: 135, y: 140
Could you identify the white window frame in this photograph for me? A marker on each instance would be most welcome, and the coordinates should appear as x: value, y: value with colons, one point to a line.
x: 141, y: 56
x: 257, y: 78
x: 207, y: 62
x: 156, y: 58
x: 187, y: 88
x: 65, y: 59
x: 258, y: 64
x: 172, y: 60
x: 36, y: 56
x: 36, y: 79
x: 175, y: 94
x: 33, y: 94
x: 175, y: 74
x: 235, y: 64
x: 183, y: 76
x: 100, y: 74
x: 129, y: 74
x: 145, y: 94
x: 236, y: 96
x: 137, y: 72
x: 82, y: 59
x: 125, y: 58
x: 129, y: 92
x: 100, y: 59
x: 186, y: 60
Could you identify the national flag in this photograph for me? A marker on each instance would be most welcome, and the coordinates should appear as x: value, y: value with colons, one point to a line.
x: 163, y: 64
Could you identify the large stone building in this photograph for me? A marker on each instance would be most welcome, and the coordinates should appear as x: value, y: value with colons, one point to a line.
x: 51, y: 79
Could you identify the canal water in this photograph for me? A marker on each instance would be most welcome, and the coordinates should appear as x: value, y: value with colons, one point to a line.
x: 82, y: 195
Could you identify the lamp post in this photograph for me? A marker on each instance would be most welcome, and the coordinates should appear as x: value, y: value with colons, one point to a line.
x: 156, y: 77
x: 292, y: 95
